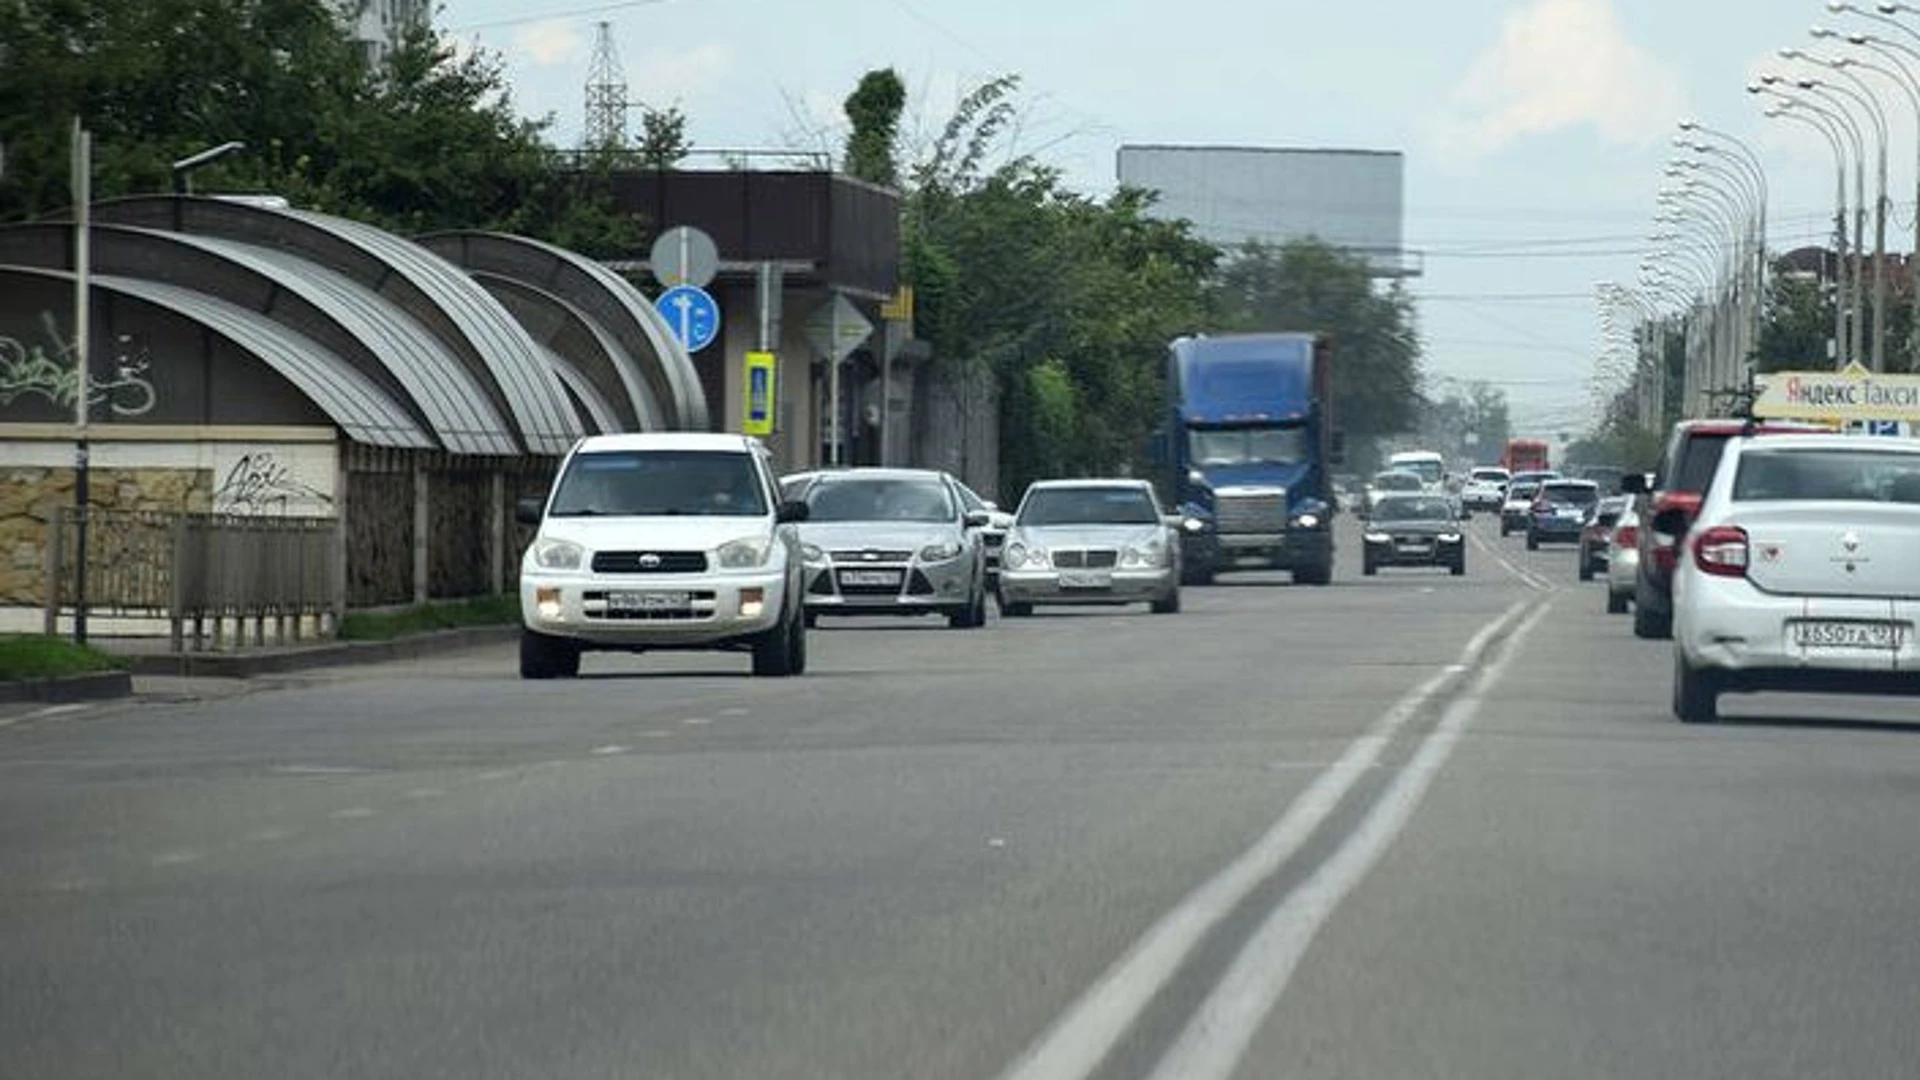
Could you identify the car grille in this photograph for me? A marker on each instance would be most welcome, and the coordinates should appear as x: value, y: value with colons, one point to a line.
x: 649, y: 562
x: 1265, y: 512
x: 1086, y: 558
x: 870, y: 555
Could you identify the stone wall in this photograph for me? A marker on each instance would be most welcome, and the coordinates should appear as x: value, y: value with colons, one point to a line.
x: 29, y: 495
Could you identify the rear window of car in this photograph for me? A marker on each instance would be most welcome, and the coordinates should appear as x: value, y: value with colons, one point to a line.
x: 1835, y: 475
x: 1570, y: 494
x: 1699, y: 457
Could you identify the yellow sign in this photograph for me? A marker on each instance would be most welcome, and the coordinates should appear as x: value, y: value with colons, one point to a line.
x: 899, y: 307
x: 759, y: 379
x: 1852, y: 393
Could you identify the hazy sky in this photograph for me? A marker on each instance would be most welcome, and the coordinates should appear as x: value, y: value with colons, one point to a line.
x: 1536, y: 132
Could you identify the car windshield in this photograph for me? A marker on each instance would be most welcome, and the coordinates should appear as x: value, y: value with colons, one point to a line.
x: 1490, y: 476
x: 1428, y: 470
x: 1838, y: 475
x: 880, y: 499
x: 1247, y: 446
x: 1398, y: 480
x: 1088, y: 506
x: 1570, y: 494
x: 1699, y: 457
x: 655, y: 483
x: 1413, y: 510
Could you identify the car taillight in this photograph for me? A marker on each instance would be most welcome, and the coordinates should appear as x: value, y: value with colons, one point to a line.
x: 1627, y: 536
x: 1721, y: 551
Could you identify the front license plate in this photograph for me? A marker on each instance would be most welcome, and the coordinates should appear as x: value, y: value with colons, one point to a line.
x: 649, y: 601
x: 1415, y: 549
x: 1085, y: 579
x: 1834, y: 634
x: 870, y: 578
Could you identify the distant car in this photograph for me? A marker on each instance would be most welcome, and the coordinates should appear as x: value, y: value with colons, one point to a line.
x: 1485, y: 489
x: 1559, y: 512
x: 1623, y: 561
x: 1414, y: 530
x: 1091, y: 542
x: 662, y: 540
x: 1597, y: 535
x: 893, y: 542
x: 1518, y: 505
x: 1799, y: 571
x: 1393, y: 481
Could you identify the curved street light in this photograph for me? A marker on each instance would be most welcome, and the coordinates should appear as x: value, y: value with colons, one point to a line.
x: 1785, y: 111
x: 1825, y: 100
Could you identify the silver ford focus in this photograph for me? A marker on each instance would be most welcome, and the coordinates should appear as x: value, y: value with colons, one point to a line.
x: 1090, y: 542
x: 893, y: 542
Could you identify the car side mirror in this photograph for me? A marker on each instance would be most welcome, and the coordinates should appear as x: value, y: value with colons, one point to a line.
x: 792, y: 512
x: 978, y: 519
x: 1633, y: 484
x: 529, y: 511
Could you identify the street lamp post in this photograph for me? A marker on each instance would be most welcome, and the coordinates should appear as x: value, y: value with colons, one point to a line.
x: 1837, y: 112
x: 1785, y: 110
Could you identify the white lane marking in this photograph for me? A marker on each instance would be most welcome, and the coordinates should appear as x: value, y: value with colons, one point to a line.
x: 59, y: 710
x: 735, y: 712
x: 696, y: 721
x: 655, y: 734
x: 320, y: 770
x: 1526, y: 576
x: 604, y: 751
x: 1218, y: 1034
x: 352, y: 813
x: 177, y: 858
x: 495, y: 774
x: 1082, y: 1037
x: 268, y: 836
x: 425, y: 792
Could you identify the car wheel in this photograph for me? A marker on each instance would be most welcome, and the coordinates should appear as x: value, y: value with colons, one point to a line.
x: 811, y: 618
x: 1616, y: 603
x: 1696, y: 692
x: 1197, y: 574
x: 1316, y: 574
x: 1369, y: 567
x: 1505, y: 529
x: 779, y: 649
x: 1648, y: 622
x: 1168, y: 604
x: 543, y: 656
x: 1586, y: 565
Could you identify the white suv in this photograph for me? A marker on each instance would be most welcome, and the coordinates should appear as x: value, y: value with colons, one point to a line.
x: 662, y: 541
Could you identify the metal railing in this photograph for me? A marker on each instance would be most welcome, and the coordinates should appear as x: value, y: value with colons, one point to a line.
x: 247, y: 580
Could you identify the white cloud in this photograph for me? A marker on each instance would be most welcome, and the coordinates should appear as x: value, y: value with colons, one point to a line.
x: 553, y: 42
x: 1561, y: 64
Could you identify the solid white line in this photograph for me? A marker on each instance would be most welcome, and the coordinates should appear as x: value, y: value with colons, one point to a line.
x: 1082, y: 1037
x: 1526, y: 576
x: 1216, y: 1038
x: 352, y: 813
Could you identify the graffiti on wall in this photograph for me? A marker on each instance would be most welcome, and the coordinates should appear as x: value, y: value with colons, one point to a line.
x: 45, y: 368
x: 261, y: 482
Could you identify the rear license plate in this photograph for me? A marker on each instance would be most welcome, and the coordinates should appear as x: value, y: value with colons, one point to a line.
x: 1834, y: 634
x: 870, y: 578
x: 649, y: 601
x: 1085, y: 579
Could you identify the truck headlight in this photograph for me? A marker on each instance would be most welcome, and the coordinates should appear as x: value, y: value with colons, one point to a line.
x: 1193, y: 525
x: 744, y: 554
x: 558, y: 555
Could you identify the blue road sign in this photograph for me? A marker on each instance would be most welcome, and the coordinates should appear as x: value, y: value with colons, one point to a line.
x: 1884, y: 427
x: 692, y: 314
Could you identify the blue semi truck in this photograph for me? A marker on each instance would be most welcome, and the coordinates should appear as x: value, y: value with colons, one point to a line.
x: 1248, y: 452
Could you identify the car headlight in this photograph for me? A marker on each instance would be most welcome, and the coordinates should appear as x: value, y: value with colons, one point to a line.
x: 1307, y: 521
x: 1195, y: 476
x: 812, y: 553
x: 558, y: 555
x: 1377, y: 538
x: 1019, y: 555
x: 1448, y: 538
x: 744, y: 554
x: 941, y: 552
x: 1193, y: 525
x: 1149, y: 554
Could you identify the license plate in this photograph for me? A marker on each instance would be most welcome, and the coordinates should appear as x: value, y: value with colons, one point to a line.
x: 1415, y: 546
x: 870, y: 578
x: 1085, y: 579
x: 649, y: 601
x: 1833, y: 634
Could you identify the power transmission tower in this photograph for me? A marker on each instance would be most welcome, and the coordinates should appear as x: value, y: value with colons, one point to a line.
x: 606, y: 95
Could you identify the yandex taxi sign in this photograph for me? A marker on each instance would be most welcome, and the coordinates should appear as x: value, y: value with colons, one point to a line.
x: 1852, y: 393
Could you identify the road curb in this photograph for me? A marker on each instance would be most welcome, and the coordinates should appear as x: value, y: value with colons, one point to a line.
x: 93, y: 686
x: 248, y: 664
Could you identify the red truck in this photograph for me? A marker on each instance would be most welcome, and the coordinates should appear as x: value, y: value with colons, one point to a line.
x: 1525, y: 455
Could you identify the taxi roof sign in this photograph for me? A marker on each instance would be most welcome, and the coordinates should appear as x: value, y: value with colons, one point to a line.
x: 1852, y: 393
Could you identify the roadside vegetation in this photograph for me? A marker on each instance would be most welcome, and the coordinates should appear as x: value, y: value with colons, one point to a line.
x: 32, y: 656
x: 500, y: 610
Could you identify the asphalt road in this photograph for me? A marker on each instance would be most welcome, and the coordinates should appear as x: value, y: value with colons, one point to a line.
x: 1403, y: 826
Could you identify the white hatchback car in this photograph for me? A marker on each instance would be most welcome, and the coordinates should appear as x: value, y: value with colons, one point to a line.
x: 662, y: 541
x: 1801, y: 572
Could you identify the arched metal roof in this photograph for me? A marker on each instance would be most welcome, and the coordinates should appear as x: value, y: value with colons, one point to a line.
x: 602, y: 295
x: 583, y: 344
x: 599, y: 411
x: 359, y: 406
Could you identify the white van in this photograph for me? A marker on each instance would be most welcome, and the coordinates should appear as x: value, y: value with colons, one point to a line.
x: 1426, y: 464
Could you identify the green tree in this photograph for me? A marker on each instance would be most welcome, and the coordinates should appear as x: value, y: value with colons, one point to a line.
x: 664, y: 142
x: 1470, y: 419
x: 1796, y: 329
x: 429, y: 140
x: 1310, y: 285
x: 873, y: 110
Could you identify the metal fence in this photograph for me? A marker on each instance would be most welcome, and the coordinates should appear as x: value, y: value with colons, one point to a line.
x: 215, y: 578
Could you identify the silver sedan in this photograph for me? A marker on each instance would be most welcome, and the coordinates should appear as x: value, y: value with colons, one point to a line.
x: 893, y: 542
x: 1090, y: 542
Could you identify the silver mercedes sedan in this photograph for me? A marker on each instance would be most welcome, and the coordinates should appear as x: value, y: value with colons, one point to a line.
x: 1090, y: 542
x: 893, y: 542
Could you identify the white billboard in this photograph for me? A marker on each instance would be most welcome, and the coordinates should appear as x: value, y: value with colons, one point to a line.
x: 1352, y: 199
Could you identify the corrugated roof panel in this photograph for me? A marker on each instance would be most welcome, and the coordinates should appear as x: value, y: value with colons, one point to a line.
x: 608, y: 355
x: 600, y: 417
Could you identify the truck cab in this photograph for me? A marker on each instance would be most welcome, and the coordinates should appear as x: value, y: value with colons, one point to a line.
x: 1247, y: 453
